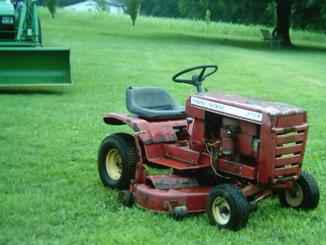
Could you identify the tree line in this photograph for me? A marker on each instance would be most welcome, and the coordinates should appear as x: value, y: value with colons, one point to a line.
x: 306, y: 14
x: 281, y: 14
x: 303, y: 14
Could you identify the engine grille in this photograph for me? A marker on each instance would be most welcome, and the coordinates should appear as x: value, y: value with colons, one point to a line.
x: 289, y: 152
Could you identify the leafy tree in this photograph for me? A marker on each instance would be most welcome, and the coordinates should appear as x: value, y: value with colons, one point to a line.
x: 166, y: 8
x: 101, y: 4
x: 208, y: 16
x: 282, y: 29
x: 133, y: 8
x: 52, y: 6
x: 301, y: 13
x: 195, y: 9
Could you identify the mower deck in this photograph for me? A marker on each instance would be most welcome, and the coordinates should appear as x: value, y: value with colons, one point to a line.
x: 164, y: 193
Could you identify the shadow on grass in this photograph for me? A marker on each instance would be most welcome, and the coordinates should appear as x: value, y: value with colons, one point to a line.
x: 306, y: 48
x: 33, y: 91
x: 250, y: 43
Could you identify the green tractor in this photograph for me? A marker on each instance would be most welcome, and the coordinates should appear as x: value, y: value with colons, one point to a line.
x: 23, y: 60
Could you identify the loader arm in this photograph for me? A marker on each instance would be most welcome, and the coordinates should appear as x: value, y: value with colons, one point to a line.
x: 28, y: 28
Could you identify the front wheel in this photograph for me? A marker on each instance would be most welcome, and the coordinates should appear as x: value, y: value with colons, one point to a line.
x: 227, y: 207
x: 303, y: 195
x: 117, y: 159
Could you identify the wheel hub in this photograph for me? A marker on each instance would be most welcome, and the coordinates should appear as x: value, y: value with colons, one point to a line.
x: 114, y: 164
x: 221, y: 211
x: 294, y: 197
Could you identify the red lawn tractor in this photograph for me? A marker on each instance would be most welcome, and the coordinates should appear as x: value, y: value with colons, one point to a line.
x: 225, y: 153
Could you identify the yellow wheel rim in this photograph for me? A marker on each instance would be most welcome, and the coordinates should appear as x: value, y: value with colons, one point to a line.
x: 113, y: 164
x: 295, y: 196
x: 221, y: 211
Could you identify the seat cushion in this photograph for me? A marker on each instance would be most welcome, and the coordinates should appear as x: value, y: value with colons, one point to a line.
x: 153, y: 104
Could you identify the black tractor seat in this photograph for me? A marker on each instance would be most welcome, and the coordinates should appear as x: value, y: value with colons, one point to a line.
x: 153, y: 104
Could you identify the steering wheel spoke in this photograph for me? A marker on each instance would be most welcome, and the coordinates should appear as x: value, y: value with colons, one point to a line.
x: 202, y: 73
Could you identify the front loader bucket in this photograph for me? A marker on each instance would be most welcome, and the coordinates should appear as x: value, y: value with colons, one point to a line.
x: 34, y: 67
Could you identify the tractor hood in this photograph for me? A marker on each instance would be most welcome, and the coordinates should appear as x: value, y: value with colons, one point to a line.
x: 249, y: 109
x: 268, y: 107
x: 6, y: 8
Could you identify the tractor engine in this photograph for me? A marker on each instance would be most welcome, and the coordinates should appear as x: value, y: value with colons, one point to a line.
x: 260, y: 141
x: 239, y: 139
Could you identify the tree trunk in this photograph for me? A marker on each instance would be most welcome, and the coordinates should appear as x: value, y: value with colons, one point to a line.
x: 282, y: 30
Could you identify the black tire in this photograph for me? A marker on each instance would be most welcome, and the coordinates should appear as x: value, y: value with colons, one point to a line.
x: 305, y: 194
x: 124, y: 146
x: 233, y: 204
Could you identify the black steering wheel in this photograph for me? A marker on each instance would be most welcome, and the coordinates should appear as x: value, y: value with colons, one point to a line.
x: 197, y: 79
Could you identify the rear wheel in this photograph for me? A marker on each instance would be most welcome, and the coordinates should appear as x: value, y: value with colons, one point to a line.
x: 117, y: 159
x: 303, y: 195
x: 227, y: 207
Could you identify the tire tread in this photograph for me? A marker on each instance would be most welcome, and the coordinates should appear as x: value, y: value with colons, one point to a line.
x: 310, y: 190
x: 238, y: 203
x: 126, y: 144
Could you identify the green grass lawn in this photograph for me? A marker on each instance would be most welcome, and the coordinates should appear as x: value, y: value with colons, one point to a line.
x: 50, y: 192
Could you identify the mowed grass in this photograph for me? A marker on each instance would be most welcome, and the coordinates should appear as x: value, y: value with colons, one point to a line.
x: 50, y: 192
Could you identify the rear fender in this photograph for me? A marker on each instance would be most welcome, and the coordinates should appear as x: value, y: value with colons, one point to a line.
x: 123, y: 119
x: 147, y: 132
